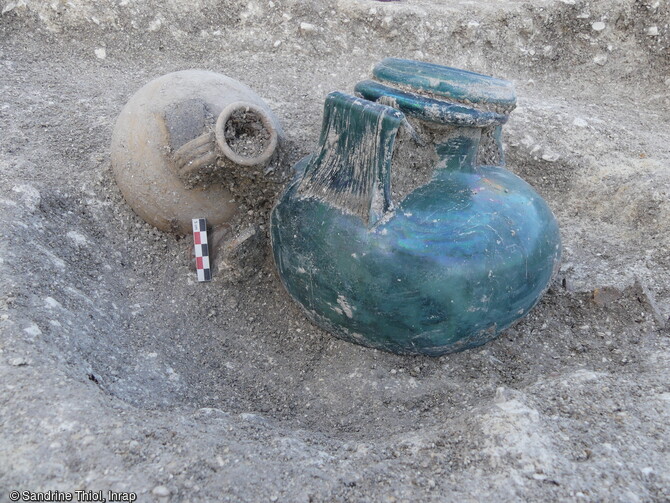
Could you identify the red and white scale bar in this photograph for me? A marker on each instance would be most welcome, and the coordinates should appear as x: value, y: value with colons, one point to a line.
x: 201, y: 249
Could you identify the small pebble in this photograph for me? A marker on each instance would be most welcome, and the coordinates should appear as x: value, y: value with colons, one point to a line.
x: 652, y: 31
x: 307, y: 28
x: 598, y: 26
x: 9, y: 7
x: 161, y: 491
x: 101, y: 53
x: 579, y: 122
x: 550, y: 156
x: 33, y: 330
x: 18, y: 362
x: 600, y: 59
x: 155, y: 24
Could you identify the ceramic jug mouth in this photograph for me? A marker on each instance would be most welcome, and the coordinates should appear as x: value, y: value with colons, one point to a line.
x: 454, y: 84
x: 429, y: 109
x: 251, y: 114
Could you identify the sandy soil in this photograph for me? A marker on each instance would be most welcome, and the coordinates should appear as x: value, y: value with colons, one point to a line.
x: 119, y: 371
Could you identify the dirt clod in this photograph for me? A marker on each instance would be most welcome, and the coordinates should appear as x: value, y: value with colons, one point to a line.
x: 246, y: 134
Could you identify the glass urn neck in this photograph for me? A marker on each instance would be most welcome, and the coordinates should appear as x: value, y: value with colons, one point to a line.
x: 457, y: 149
x: 461, y: 111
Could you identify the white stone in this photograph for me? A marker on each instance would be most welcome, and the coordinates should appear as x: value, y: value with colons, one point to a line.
x: 598, y: 26
x: 33, y: 330
x: 155, y: 24
x: 101, y: 52
x: 30, y: 196
x: 77, y: 238
x: 600, y: 59
x: 579, y: 122
x: 307, y: 27
x: 652, y: 31
x: 550, y: 156
x: 51, y: 303
x: 9, y: 7
x: 161, y: 491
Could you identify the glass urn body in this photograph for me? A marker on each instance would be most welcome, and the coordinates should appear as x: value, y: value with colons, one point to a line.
x: 445, y: 263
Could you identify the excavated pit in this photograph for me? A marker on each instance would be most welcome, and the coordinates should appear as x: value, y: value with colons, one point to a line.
x: 120, y: 371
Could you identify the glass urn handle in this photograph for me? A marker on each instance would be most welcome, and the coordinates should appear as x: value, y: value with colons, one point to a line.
x: 351, y: 168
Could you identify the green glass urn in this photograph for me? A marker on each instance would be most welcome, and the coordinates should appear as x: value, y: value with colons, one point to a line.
x: 403, y: 231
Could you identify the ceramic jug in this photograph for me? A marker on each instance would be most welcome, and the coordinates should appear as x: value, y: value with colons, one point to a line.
x: 403, y: 231
x: 178, y: 141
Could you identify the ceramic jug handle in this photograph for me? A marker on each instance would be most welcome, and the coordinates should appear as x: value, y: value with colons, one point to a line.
x: 196, y: 155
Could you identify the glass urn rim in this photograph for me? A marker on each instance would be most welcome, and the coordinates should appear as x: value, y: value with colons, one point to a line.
x: 453, y: 83
x: 429, y: 109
